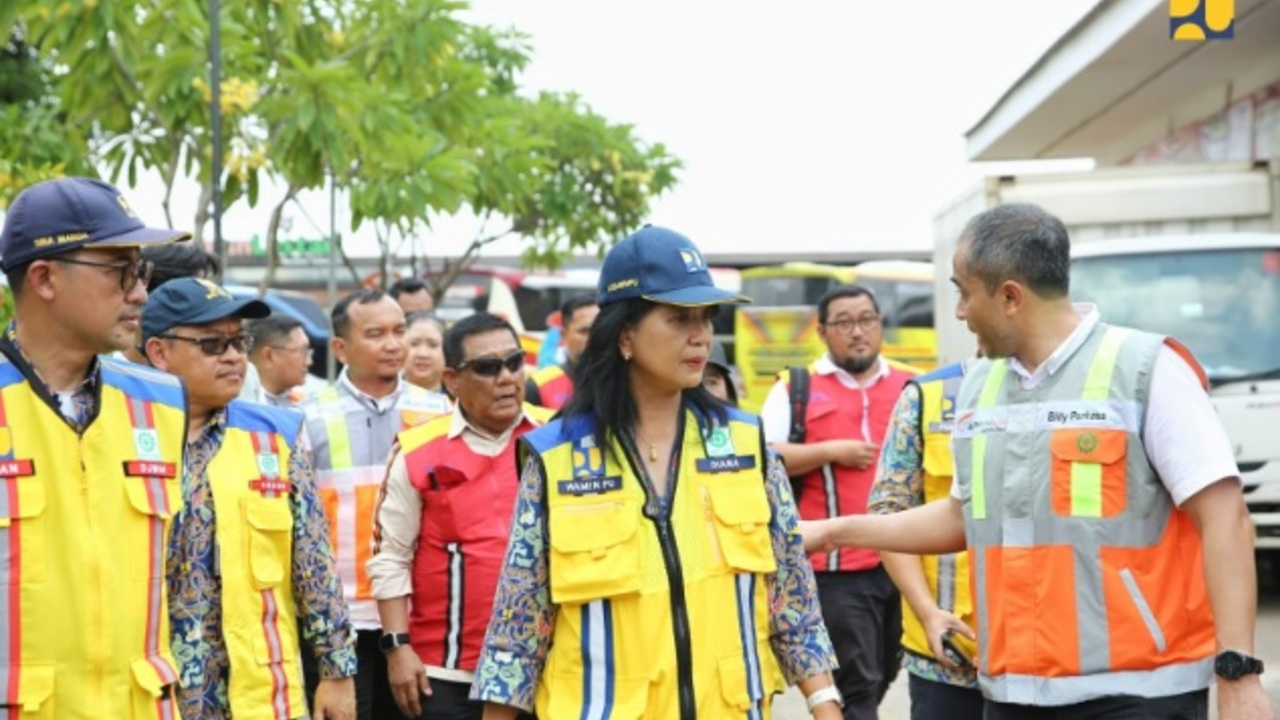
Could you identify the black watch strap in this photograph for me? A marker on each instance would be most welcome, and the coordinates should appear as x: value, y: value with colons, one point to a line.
x: 391, y: 641
x: 1232, y: 665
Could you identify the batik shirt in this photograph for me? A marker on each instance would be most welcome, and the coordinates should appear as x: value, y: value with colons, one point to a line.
x: 900, y: 486
x: 195, y: 585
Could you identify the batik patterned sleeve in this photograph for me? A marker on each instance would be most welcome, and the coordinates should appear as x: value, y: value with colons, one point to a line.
x: 796, y: 631
x: 322, y: 612
x: 519, y: 635
x: 899, y: 484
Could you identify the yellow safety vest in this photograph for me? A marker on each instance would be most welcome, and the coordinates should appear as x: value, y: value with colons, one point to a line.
x: 249, y: 478
x: 658, y: 618
x: 947, y: 575
x: 84, y: 526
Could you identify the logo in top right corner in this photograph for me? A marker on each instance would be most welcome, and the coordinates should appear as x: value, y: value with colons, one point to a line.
x: 1197, y: 20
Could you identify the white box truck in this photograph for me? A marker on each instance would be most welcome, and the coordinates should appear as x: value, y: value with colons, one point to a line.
x: 1191, y: 251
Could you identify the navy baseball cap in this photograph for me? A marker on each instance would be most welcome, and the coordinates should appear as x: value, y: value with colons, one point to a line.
x: 194, y: 301
x: 661, y: 265
x: 58, y: 216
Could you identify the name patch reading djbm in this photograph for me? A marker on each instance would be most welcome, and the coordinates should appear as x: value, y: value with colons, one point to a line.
x: 589, y: 485
x: 726, y: 464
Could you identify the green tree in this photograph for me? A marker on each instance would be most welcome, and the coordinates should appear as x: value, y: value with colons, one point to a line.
x: 415, y: 112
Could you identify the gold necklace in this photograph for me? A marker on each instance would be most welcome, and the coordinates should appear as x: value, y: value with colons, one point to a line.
x: 653, y: 447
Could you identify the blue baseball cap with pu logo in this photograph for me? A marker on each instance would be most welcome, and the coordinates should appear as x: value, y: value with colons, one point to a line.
x: 58, y: 216
x: 194, y: 301
x: 663, y: 266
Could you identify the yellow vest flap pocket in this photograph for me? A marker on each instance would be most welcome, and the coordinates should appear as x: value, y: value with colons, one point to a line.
x: 742, y: 526
x: 734, y: 689
x: 34, y: 689
x: 269, y: 539
x: 1090, y: 445
x: 153, y: 673
x: 160, y: 497
x: 585, y: 528
x: 31, y: 500
x: 595, y: 551
x: 269, y: 514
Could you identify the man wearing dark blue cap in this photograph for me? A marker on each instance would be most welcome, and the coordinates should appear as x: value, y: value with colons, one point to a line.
x: 250, y: 553
x: 90, y: 451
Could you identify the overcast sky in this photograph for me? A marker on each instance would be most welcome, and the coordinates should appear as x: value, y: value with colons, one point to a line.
x: 810, y: 124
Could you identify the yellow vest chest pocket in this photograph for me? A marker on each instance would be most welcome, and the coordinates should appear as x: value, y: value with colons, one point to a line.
x: 936, y: 457
x: 595, y: 551
x: 156, y: 500
x: 150, y: 689
x: 21, y: 519
x: 268, y: 540
x: 740, y: 515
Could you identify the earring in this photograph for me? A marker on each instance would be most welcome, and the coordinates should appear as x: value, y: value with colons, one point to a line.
x: 626, y: 357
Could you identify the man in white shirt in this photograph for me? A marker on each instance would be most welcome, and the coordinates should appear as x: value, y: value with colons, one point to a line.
x: 1098, y: 494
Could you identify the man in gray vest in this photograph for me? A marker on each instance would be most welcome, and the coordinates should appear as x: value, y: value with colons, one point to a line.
x: 351, y: 427
x: 1098, y: 494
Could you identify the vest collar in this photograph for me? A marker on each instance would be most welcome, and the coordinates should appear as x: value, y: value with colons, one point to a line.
x: 1089, y: 318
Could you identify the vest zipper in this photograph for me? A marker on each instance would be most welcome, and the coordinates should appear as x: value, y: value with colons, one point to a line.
x: 679, y: 621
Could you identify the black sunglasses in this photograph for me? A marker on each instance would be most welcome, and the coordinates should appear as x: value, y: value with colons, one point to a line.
x: 492, y: 367
x: 215, y: 346
x: 131, y: 273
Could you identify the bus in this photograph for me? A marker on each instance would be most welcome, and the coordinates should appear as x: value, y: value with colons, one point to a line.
x: 780, y: 328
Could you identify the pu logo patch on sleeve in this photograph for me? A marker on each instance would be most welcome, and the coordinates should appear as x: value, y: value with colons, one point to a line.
x: 589, y: 485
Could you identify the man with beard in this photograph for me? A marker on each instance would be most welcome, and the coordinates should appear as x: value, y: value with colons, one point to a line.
x: 827, y: 422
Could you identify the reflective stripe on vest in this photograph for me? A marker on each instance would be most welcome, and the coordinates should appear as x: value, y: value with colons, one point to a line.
x: 249, y: 479
x: 610, y: 577
x: 350, y: 444
x: 1088, y: 581
x: 947, y: 575
x: 88, y: 513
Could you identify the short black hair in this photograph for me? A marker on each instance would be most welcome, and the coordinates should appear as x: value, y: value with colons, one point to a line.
x: 179, y: 260
x: 409, y: 285
x: 341, y: 319
x: 474, y: 324
x: 16, y: 276
x: 271, y: 330
x: 844, y: 291
x: 576, y: 303
x: 1020, y: 242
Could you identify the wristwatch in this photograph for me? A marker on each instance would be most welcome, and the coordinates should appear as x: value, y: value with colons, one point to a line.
x: 1232, y: 665
x: 391, y: 641
x: 829, y: 693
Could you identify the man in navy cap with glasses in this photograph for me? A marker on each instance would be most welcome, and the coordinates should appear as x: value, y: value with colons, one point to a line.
x: 249, y: 563
x: 90, y: 454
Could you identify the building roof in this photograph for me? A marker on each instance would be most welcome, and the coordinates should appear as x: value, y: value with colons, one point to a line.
x: 1116, y: 82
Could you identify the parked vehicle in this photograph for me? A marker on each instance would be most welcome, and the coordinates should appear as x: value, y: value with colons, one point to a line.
x: 314, y: 318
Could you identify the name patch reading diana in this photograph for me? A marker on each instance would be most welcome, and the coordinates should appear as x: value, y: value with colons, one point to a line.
x: 589, y: 485
x: 726, y: 464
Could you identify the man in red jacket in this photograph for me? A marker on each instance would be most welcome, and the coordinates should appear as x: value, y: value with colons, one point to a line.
x: 828, y: 432
x: 443, y: 522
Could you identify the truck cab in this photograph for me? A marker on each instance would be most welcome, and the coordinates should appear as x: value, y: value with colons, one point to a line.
x: 1219, y: 294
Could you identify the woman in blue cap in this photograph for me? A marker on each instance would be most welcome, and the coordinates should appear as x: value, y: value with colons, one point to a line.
x: 654, y: 568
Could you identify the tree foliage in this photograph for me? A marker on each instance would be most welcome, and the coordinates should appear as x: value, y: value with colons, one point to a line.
x: 413, y: 111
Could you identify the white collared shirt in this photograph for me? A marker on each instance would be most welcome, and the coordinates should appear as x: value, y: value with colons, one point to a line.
x: 775, y: 415
x: 381, y: 405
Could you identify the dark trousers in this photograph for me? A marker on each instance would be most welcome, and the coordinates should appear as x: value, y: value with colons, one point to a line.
x: 373, y: 690
x: 448, y: 701
x: 931, y: 700
x: 1188, y: 706
x: 863, y: 615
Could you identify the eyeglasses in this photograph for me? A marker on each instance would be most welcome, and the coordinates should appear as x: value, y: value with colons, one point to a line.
x: 844, y: 326
x: 131, y: 273
x: 492, y: 367
x: 305, y: 350
x: 216, y: 346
